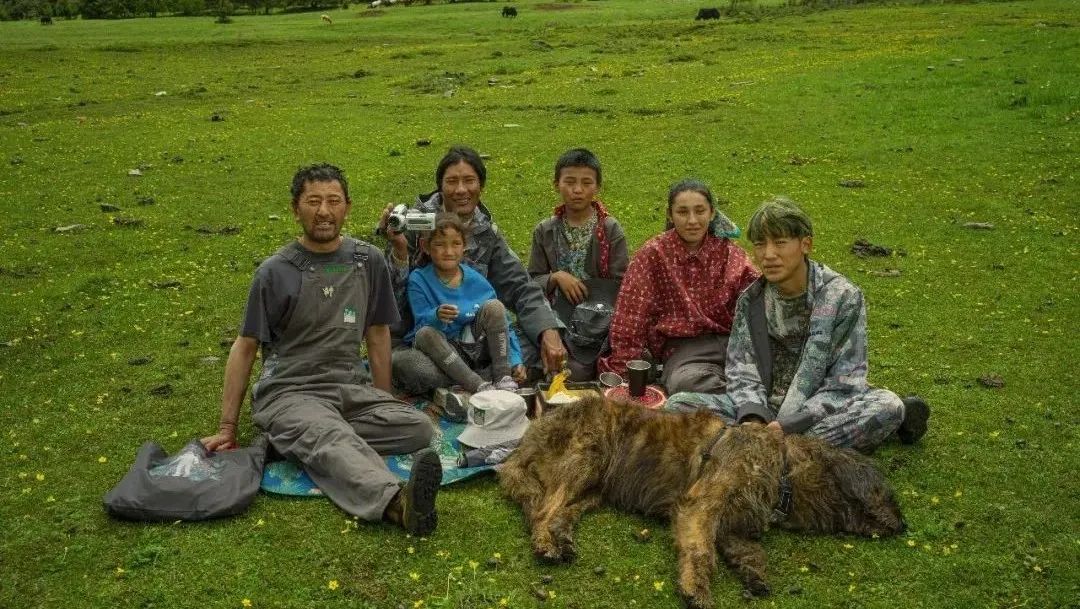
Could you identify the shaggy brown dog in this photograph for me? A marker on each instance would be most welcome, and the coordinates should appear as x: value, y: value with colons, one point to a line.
x: 721, y: 486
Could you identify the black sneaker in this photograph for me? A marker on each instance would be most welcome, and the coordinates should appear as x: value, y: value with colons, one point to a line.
x: 418, y: 496
x: 916, y: 414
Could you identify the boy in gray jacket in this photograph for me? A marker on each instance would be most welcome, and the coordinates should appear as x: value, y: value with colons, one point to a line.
x: 581, y: 244
x: 797, y: 356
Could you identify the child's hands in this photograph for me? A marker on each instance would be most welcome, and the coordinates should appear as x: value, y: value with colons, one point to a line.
x: 519, y: 374
x: 446, y: 313
x: 572, y: 287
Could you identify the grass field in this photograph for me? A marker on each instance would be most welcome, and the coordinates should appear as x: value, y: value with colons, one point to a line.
x: 947, y: 113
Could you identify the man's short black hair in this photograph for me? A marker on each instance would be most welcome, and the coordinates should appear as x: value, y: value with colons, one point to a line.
x: 578, y: 157
x: 455, y: 155
x: 318, y: 172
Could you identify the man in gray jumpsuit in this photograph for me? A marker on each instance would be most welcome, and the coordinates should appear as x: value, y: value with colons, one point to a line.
x: 309, y: 308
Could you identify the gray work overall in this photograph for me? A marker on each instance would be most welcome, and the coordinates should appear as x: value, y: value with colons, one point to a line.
x: 310, y: 397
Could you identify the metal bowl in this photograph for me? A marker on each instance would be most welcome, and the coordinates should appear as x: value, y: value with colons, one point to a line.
x: 610, y: 379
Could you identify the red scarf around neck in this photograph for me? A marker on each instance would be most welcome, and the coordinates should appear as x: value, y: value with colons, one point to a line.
x: 601, y: 235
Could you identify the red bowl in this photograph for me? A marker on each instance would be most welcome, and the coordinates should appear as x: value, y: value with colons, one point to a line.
x: 654, y: 397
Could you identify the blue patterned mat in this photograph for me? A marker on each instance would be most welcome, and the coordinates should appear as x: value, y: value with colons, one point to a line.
x: 288, y: 478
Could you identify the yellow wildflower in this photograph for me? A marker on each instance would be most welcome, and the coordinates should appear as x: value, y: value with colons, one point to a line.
x: 658, y: 585
x: 246, y: 602
x: 102, y: 459
x: 414, y: 576
x: 333, y: 584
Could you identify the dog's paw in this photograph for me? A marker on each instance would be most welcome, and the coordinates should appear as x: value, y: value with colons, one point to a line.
x: 567, y: 550
x: 756, y: 588
x: 695, y: 601
x: 549, y: 556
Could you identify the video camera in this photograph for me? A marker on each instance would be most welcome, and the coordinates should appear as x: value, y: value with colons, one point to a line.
x: 402, y: 219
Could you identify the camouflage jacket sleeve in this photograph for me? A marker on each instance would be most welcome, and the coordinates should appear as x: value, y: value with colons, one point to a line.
x: 833, y: 365
x: 744, y: 383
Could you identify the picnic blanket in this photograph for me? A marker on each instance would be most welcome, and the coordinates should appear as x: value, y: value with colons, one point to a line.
x: 289, y: 478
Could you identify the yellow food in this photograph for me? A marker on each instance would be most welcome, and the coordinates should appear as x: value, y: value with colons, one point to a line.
x: 558, y: 385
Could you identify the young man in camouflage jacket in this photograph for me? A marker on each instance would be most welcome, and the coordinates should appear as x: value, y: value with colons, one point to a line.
x: 797, y: 356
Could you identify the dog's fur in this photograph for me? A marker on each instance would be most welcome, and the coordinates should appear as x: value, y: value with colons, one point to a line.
x: 599, y: 451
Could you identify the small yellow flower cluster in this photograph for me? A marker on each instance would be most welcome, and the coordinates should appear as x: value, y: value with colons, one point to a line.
x: 333, y: 584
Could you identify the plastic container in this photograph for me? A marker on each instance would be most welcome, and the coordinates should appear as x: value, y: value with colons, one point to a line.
x: 542, y: 405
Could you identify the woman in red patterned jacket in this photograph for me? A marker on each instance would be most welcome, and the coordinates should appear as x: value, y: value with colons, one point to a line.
x: 677, y: 299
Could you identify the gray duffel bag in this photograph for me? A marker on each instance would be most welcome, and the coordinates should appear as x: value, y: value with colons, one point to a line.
x: 193, y: 484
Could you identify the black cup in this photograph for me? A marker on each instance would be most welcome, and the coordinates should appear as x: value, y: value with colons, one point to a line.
x: 529, y: 395
x: 638, y: 371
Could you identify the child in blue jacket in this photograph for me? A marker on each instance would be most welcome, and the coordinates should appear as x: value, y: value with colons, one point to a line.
x: 459, y: 322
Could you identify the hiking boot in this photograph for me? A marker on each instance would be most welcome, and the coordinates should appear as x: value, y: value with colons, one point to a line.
x: 417, y: 497
x: 506, y: 383
x: 916, y: 414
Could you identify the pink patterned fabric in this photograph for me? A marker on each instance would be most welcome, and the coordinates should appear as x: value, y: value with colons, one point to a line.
x: 669, y: 292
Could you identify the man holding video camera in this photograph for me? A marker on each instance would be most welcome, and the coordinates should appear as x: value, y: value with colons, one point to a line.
x: 460, y: 178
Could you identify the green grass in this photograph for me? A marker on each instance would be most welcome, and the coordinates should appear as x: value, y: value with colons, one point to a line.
x: 950, y: 113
